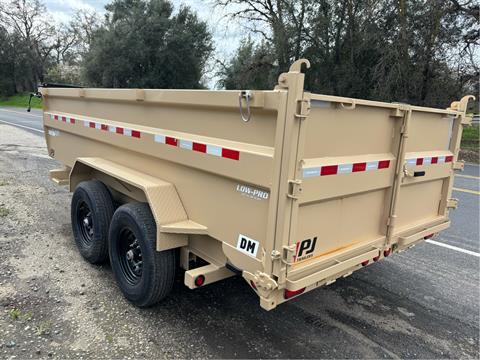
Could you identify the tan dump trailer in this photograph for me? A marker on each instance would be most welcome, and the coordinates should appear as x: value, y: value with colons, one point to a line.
x: 290, y: 189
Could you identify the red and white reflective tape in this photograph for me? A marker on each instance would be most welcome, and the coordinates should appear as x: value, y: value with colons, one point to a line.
x: 429, y: 160
x: 113, y: 129
x: 65, y: 119
x: 345, y: 168
x: 199, y: 147
x: 162, y: 139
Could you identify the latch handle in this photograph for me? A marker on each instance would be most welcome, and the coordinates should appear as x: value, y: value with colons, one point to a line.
x: 294, y: 189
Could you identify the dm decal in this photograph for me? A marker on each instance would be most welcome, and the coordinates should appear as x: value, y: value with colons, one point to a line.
x: 247, y: 245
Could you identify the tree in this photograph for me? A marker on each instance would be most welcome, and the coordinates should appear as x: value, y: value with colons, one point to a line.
x: 279, y: 22
x: 424, y: 52
x: 144, y: 44
x: 26, y: 20
x: 250, y: 68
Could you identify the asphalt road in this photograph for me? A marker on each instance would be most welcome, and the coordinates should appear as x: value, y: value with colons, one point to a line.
x: 422, y: 303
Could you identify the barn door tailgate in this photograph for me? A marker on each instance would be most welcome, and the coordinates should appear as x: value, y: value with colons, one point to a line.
x: 431, y: 150
x: 371, y: 174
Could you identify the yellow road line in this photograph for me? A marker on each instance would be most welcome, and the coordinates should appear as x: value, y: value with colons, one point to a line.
x: 468, y: 176
x: 22, y: 113
x: 467, y: 191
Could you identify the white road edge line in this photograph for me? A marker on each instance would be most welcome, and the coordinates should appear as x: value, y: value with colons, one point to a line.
x: 433, y: 242
x: 22, y: 126
x: 21, y: 113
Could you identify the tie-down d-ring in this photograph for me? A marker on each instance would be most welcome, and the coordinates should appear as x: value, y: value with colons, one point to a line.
x: 247, y: 95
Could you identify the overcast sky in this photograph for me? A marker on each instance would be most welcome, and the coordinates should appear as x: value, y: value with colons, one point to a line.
x: 226, y: 33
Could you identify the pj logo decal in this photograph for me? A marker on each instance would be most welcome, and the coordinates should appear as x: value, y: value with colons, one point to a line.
x: 305, y: 249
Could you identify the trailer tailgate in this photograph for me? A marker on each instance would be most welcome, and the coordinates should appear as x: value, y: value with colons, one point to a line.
x: 371, y: 174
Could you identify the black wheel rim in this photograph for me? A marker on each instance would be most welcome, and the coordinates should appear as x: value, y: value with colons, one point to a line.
x: 85, y: 223
x: 130, y: 255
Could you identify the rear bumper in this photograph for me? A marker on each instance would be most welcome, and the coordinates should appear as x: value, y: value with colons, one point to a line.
x: 328, y: 275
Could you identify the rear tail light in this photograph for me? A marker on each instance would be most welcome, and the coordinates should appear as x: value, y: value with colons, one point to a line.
x: 428, y: 236
x: 289, y: 293
x: 253, y: 285
x: 200, y: 280
x: 376, y: 258
x: 365, y: 263
x: 386, y: 252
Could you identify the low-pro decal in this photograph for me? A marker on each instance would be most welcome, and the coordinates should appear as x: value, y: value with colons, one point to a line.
x: 247, y: 245
x: 252, y: 193
x: 305, y: 249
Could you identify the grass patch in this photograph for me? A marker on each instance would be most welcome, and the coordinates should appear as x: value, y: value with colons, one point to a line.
x: 43, y: 328
x: 470, y: 138
x: 21, y: 101
x: 4, y: 211
x: 14, y: 313
x: 3, y: 183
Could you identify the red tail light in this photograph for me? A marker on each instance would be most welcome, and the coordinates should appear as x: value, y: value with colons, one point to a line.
x: 289, y: 293
x: 253, y: 285
x: 376, y: 258
x: 200, y: 280
x: 386, y: 252
x: 428, y: 236
x: 365, y: 263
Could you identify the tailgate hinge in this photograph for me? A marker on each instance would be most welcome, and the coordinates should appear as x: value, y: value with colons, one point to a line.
x: 452, y: 203
x: 294, y: 189
x: 459, y: 165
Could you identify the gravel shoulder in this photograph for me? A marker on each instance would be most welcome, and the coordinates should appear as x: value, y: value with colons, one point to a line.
x: 53, y: 304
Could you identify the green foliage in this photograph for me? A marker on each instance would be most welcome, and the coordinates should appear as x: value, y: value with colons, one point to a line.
x: 14, y: 313
x: 420, y: 52
x: 471, y: 138
x: 250, y: 68
x: 144, y: 44
x: 63, y: 74
x: 4, y: 211
x: 21, y: 101
x: 43, y: 328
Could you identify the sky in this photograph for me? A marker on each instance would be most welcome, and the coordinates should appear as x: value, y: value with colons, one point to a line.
x: 227, y: 34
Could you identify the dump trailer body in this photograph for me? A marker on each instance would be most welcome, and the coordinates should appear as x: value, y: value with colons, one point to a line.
x: 289, y: 188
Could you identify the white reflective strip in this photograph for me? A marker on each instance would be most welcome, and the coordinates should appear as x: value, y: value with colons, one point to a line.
x: 214, y: 150
x: 86, y: 123
x: 53, y: 132
x: 185, y: 144
x: 345, y: 168
x: 411, y: 161
x: 160, y: 138
x: 320, y: 104
x: 372, y: 165
x: 427, y: 161
x: 112, y: 129
x: 311, y: 172
x: 127, y: 132
x: 441, y: 159
x: 98, y: 126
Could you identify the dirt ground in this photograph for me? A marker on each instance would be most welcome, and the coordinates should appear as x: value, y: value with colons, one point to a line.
x: 53, y: 304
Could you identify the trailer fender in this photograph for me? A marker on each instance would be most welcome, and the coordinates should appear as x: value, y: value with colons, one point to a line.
x: 173, y: 225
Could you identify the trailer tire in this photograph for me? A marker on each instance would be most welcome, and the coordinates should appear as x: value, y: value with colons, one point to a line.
x: 91, y: 212
x: 145, y: 276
